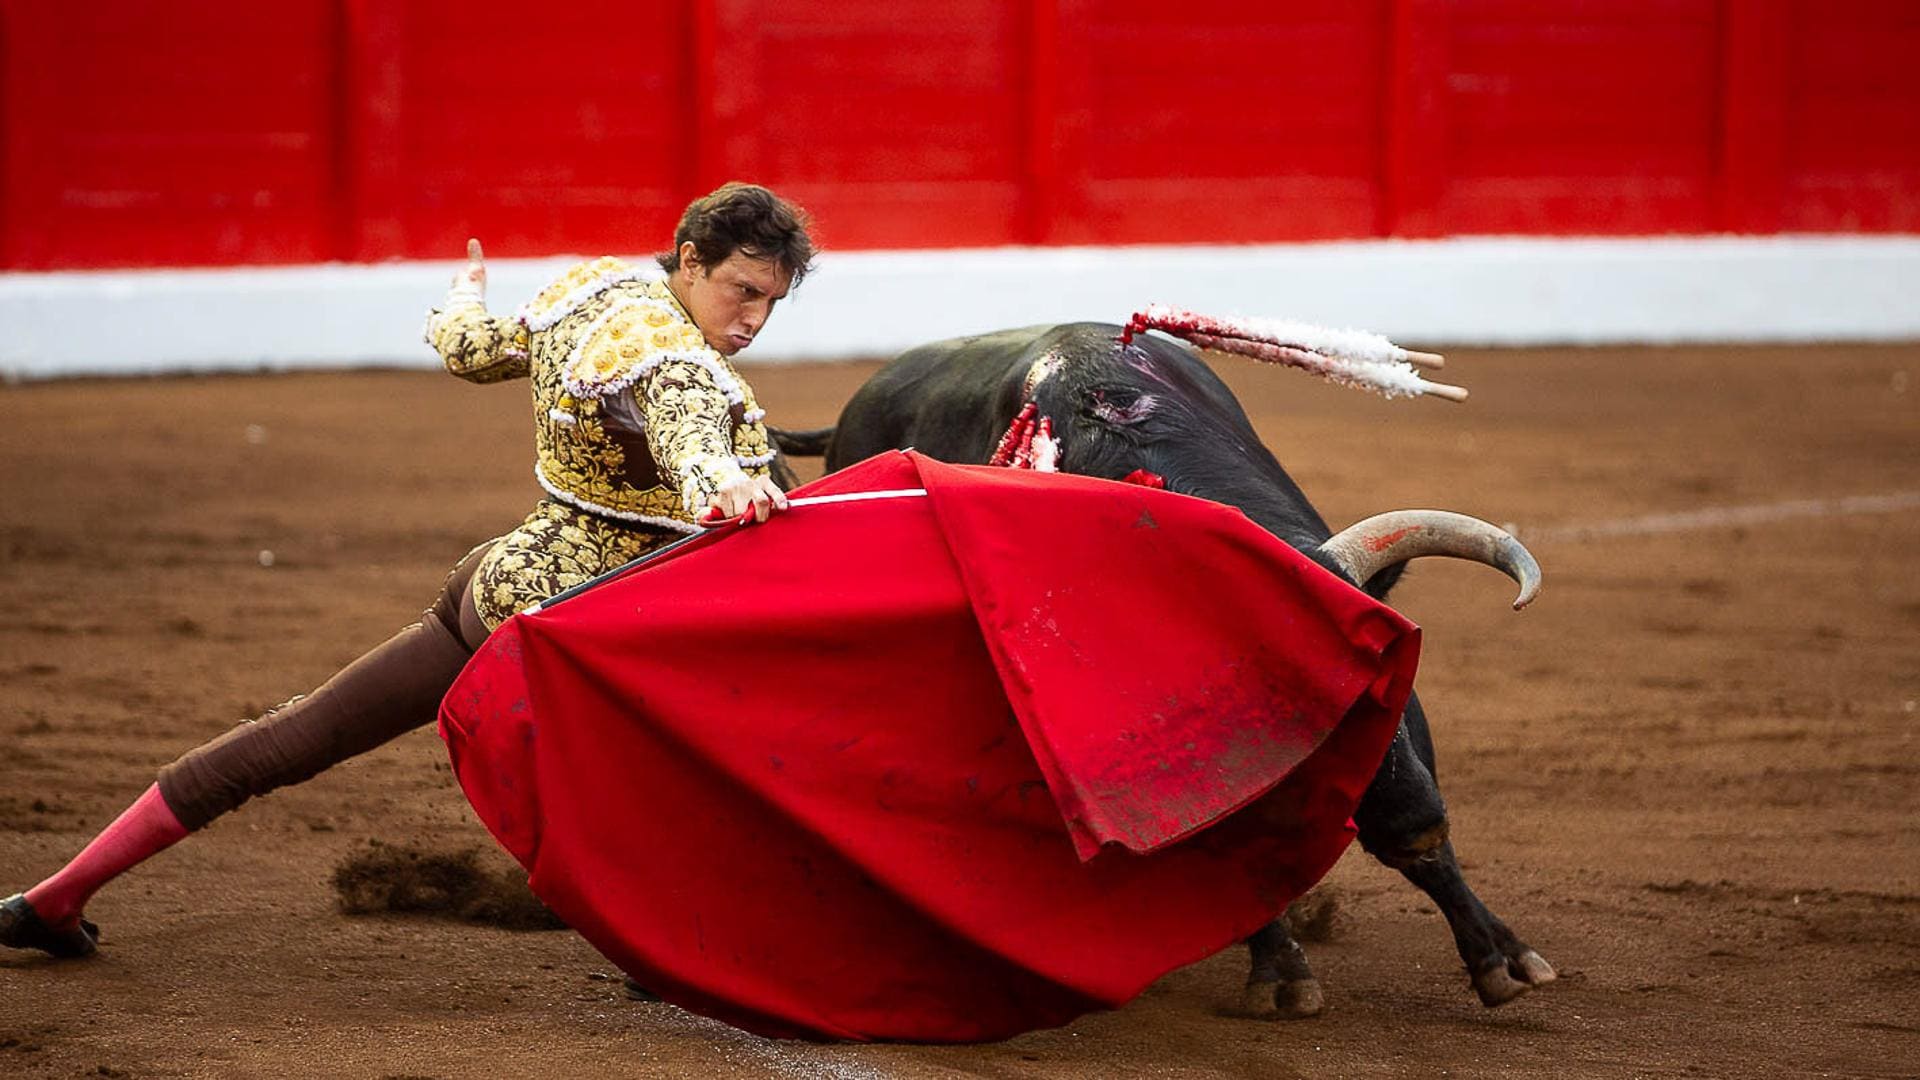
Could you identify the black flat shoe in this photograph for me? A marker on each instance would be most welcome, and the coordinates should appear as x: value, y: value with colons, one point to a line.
x: 22, y: 928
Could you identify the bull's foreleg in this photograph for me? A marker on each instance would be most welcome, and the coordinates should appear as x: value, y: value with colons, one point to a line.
x: 1403, y: 823
x: 1502, y: 966
x: 1280, y: 984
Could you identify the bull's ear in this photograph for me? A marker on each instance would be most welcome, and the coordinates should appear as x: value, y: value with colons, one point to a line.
x: 1384, y: 581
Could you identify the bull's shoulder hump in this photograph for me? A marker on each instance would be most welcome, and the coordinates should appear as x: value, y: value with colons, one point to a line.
x: 1014, y: 344
x: 994, y: 342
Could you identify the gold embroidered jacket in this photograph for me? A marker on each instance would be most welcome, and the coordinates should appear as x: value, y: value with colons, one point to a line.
x: 635, y: 417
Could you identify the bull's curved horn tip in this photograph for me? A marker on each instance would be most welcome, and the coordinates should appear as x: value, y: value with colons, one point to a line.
x: 1520, y: 564
x: 1365, y: 548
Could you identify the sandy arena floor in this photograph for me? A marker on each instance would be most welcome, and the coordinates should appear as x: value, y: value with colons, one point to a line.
x: 1689, y: 775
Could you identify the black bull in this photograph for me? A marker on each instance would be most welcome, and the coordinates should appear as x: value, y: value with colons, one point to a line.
x: 1154, y: 405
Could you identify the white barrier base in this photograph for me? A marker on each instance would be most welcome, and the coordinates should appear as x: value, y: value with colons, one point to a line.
x: 1473, y: 291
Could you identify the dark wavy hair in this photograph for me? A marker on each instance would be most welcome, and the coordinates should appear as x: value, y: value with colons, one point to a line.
x: 746, y: 218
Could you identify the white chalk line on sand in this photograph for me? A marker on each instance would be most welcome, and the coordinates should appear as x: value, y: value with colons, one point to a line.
x: 771, y: 1057
x: 1721, y: 517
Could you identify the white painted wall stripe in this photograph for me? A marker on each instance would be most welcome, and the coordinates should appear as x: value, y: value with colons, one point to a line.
x: 1488, y: 291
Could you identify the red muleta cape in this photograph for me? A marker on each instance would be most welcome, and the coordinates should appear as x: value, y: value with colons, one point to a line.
x: 936, y: 768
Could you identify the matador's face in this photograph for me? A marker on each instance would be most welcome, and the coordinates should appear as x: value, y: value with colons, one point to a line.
x: 731, y: 300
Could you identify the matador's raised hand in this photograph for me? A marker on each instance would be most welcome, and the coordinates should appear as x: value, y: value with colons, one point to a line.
x: 470, y: 284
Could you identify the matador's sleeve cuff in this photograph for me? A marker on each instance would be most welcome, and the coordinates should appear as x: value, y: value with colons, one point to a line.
x: 441, y: 317
x: 705, y: 475
x: 475, y: 345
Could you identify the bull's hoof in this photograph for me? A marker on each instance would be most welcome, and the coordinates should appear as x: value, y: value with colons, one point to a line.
x: 1299, y: 999
x: 1294, y: 1000
x: 1509, y: 977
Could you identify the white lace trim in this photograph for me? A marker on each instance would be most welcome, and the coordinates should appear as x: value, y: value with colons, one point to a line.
x: 754, y: 461
x: 753, y: 416
x: 592, y: 507
x: 579, y: 295
x: 562, y: 416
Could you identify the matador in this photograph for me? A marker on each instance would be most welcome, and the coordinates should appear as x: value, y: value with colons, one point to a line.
x: 641, y: 428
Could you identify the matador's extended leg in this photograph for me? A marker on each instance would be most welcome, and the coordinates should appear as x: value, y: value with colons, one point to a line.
x: 394, y: 688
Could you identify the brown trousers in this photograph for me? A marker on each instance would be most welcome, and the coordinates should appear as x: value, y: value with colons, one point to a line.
x: 384, y: 694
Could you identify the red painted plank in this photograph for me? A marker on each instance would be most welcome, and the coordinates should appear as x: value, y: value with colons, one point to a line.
x: 1044, y: 177
x: 706, y: 167
x: 1413, y: 158
x: 29, y: 177
x: 1753, y: 113
x: 370, y: 221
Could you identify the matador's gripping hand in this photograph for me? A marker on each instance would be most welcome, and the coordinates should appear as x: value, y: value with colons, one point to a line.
x: 745, y: 499
x: 470, y: 285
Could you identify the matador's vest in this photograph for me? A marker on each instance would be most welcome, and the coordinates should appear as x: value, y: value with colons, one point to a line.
x: 593, y: 335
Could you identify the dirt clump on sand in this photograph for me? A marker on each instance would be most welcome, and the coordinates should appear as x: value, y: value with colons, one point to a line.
x: 1317, y: 917
x: 383, y: 878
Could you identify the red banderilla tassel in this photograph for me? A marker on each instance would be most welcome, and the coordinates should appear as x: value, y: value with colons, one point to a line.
x: 1023, y: 453
x: 1021, y: 430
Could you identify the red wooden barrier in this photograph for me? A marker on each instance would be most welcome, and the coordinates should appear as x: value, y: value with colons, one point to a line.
x: 140, y: 133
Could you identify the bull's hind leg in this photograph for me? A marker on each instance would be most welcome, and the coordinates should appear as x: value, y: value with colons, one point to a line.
x: 1403, y: 823
x: 1280, y: 984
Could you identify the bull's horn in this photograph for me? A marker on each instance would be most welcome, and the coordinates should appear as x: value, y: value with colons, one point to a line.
x: 1365, y: 548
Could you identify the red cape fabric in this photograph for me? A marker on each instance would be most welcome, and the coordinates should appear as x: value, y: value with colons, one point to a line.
x: 936, y: 768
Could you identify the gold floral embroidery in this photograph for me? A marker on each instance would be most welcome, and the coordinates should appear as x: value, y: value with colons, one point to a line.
x: 476, y: 346
x: 556, y: 548
x: 680, y: 397
x: 750, y: 442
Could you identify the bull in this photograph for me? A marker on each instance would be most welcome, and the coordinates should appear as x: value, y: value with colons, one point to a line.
x: 1150, y: 406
